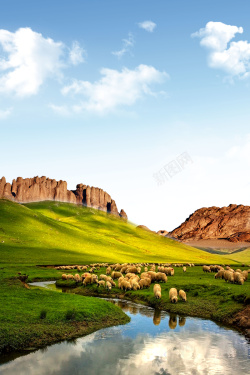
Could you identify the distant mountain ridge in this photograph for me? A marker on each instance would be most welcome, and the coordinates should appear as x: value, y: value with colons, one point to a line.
x: 231, y: 223
x: 26, y: 190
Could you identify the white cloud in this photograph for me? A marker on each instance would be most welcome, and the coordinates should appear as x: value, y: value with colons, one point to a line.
x: 127, y: 44
x: 60, y: 109
x: 5, y: 113
x: 76, y: 54
x: 147, y: 25
x: 115, y: 88
x: 233, y: 59
x: 30, y: 59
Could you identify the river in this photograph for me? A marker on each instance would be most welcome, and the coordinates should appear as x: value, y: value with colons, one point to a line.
x: 154, y: 342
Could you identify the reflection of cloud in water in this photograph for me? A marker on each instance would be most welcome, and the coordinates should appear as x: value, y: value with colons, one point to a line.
x: 150, y: 344
x: 182, y: 353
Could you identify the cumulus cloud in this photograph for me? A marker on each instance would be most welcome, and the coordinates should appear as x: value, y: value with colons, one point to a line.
x: 60, y: 109
x: 127, y: 44
x: 29, y: 59
x: 5, y: 113
x: 147, y: 25
x: 234, y: 58
x: 115, y: 88
x: 77, y: 54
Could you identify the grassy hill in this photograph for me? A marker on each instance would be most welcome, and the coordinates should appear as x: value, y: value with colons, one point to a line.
x: 59, y: 233
x: 241, y: 256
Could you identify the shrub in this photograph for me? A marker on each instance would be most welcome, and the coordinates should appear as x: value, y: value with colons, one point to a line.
x: 43, y: 314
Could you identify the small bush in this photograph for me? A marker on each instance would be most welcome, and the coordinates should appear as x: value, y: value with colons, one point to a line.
x: 70, y: 314
x: 43, y: 314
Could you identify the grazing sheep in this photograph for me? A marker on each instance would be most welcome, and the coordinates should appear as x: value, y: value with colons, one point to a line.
x: 125, y: 285
x: 173, y: 295
x: 206, y: 269
x: 86, y: 274
x: 134, y: 284
x: 182, y: 295
x: 157, y: 291
x: 70, y: 277
x: 101, y: 283
x: 103, y: 277
x: 132, y: 269
x: 184, y: 269
x: 145, y: 269
x: 152, y: 274
x: 229, y: 276
x: 245, y: 275
x: 108, y: 271
x: 108, y: 285
x: 77, y: 278
x: 219, y: 274
x: 94, y: 279
x: 64, y: 276
x: 111, y: 281
x: 116, y: 275
x: 169, y: 271
x: 238, y: 278
x: 145, y: 283
x: 87, y: 280
x: 160, y: 276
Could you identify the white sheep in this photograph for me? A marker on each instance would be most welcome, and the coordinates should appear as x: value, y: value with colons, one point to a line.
x: 173, y: 295
x: 157, y: 291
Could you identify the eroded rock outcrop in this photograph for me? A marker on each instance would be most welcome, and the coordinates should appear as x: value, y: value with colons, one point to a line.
x: 162, y: 232
x: 231, y: 223
x: 25, y: 190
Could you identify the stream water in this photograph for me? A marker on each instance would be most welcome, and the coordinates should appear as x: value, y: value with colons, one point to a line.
x: 154, y: 342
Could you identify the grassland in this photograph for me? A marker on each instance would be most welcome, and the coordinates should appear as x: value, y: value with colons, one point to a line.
x: 49, y: 233
x: 207, y: 297
x: 241, y: 256
x: 60, y: 233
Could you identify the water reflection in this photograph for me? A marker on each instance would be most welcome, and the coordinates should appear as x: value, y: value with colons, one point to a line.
x: 172, y: 321
x: 157, y: 317
x: 182, y: 321
x: 152, y: 343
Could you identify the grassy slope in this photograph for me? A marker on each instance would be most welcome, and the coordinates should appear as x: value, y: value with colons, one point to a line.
x: 241, y: 257
x: 59, y: 233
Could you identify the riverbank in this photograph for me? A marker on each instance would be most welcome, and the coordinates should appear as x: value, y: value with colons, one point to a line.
x: 32, y: 318
x: 207, y: 297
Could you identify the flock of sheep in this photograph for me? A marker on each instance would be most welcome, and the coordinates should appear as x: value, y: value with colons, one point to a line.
x: 131, y: 277
x: 228, y: 274
x: 128, y: 276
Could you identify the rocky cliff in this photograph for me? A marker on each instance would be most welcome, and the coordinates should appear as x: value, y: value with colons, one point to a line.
x: 231, y: 223
x: 25, y: 190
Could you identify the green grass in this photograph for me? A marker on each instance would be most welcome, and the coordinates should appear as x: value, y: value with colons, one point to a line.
x: 207, y: 297
x: 49, y: 233
x: 59, y: 233
x: 37, y: 317
x: 241, y: 257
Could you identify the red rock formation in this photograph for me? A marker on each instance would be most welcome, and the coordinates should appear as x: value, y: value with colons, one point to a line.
x: 123, y: 215
x: 42, y: 189
x: 231, y: 223
x: 162, y: 232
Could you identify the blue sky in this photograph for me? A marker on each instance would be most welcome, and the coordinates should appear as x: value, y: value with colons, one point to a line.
x: 91, y: 93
